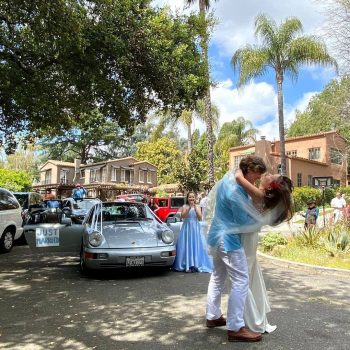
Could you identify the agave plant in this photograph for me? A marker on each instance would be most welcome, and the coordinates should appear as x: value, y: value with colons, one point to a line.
x: 338, y: 240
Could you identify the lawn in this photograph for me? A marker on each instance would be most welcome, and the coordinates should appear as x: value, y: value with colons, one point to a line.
x: 313, y: 256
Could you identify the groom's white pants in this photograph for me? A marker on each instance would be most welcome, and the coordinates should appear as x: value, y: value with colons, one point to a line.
x: 234, y: 265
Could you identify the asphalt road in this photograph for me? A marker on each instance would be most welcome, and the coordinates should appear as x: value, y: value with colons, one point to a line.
x: 46, y: 304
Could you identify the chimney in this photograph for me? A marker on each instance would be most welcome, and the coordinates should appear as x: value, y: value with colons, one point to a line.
x: 77, y: 162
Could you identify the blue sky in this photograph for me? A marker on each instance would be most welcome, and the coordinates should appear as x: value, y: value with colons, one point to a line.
x: 257, y: 101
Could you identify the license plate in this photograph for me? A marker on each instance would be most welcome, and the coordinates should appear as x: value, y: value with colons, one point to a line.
x: 132, y: 261
x: 47, y: 237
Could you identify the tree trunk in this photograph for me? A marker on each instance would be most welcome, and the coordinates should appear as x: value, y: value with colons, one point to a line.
x: 279, y: 78
x: 207, y: 101
x: 189, y: 139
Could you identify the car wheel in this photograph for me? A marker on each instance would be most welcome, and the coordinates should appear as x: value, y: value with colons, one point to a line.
x: 21, y: 240
x: 83, y: 269
x: 6, y: 241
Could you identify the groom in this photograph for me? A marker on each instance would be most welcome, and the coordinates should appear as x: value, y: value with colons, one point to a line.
x: 229, y: 258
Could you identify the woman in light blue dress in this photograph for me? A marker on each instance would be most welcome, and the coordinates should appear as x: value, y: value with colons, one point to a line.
x: 191, y: 247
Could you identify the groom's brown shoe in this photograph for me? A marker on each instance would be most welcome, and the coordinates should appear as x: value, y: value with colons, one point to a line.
x: 221, y: 321
x: 244, y: 335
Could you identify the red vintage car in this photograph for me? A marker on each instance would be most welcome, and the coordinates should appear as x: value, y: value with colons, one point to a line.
x: 168, y: 206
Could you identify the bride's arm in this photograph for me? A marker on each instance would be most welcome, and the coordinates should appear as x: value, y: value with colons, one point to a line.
x: 257, y: 194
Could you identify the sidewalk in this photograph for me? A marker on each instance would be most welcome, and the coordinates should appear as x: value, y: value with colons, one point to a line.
x: 295, y: 225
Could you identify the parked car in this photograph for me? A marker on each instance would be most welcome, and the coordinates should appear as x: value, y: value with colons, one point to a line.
x: 131, y: 197
x: 175, y: 223
x: 113, y: 235
x: 47, y: 211
x: 168, y: 206
x: 10, y: 220
x: 77, y: 209
x: 26, y: 200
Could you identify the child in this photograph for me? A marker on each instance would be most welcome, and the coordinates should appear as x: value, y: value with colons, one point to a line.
x: 311, y: 214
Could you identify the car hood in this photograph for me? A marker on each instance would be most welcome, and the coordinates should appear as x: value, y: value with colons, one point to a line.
x: 131, y: 234
x: 79, y: 212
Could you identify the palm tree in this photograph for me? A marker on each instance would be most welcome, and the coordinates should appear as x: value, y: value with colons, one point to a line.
x: 284, y: 51
x: 186, y: 119
x: 232, y: 134
x: 204, y: 5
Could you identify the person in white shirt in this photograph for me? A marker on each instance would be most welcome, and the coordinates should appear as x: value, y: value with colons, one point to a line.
x: 203, y: 204
x: 338, y: 204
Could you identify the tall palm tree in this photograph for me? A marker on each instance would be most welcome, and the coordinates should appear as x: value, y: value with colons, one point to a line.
x: 284, y: 50
x: 186, y: 119
x: 204, y: 5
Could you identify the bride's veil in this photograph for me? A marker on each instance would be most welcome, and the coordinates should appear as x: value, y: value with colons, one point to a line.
x: 224, y: 187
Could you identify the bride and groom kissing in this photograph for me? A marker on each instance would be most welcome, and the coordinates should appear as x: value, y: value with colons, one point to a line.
x: 239, y: 210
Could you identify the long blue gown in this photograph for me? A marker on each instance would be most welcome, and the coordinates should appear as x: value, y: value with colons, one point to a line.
x: 191, y: 247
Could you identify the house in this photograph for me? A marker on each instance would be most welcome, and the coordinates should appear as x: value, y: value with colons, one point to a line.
x: 312, y: 160
x: 103, y: 179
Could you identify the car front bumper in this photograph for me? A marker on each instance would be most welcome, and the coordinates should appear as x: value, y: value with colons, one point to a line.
x: 96, y: 258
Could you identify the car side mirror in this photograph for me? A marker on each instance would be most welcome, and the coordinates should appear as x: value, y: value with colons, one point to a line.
x: 66, y: 221
x: 171, y: 220
x: 66, y: 209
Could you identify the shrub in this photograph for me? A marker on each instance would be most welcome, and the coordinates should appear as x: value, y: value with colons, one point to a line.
x: 308, y: 237
x: 301, y: 195
x: 271, y: 240
x: 337, y: 240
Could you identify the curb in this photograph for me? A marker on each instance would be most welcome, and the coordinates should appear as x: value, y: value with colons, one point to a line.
x: 297, y: 265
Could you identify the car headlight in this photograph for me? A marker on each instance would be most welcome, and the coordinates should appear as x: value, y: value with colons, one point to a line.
x: 168, y: 236
x: 95, y: 238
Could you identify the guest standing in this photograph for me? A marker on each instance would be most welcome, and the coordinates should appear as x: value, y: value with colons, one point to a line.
x: 191, y: 247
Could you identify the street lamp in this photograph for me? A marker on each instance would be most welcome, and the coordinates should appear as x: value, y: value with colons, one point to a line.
x: 322, y: 183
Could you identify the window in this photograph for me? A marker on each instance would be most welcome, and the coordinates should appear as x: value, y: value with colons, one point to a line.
x: 292, y: 153
x: 149, y: 177
x: 64, y: 177
x: 104, y: 174
x: 94, y: 176
x: 141, y: 176
x: 299, y: 180
x: 336, y: 183
x: 122, y: 175
x: 236, y: 161
x: 114, y: 174
x: 309, y: 180
x: 314, y: 153
x: 82, y: 173
x: 7, y: 201
x: 48, y: 176
x: 336, y: 156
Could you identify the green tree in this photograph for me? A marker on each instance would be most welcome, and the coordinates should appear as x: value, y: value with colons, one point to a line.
x: 94, y: 138
x: 15, y: 180
x: 61, y: 59
x: 283, y: 49
x: 164, y: 154
x: 204, y: 6
x: 186, y: 119
x: 26, y: 160
x: 326, y: 111
x: 190, y: 174
x: 235, y: 133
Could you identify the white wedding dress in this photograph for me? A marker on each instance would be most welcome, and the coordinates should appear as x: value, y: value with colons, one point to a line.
x: 257, y: 302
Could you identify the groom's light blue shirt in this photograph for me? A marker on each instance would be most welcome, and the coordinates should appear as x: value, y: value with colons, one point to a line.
x: 229, y: 215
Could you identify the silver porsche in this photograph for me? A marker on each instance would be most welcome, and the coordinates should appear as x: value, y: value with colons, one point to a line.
x: 112, y: 235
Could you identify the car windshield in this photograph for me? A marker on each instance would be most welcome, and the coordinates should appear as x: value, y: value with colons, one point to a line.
x: 125, y: 211
x: 84, y: 204
x: 22, y: 199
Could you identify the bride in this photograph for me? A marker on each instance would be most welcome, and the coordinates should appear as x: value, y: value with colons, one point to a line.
x: 264, y: 198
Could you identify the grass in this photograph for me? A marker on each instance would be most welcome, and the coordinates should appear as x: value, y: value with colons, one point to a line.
x: 327, y: 247
x: 311, y: 255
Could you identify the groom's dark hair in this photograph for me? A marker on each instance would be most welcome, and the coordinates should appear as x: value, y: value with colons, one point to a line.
x: 252, y: 163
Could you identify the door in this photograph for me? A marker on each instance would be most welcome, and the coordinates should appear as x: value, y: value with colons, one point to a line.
x: 54, y: 237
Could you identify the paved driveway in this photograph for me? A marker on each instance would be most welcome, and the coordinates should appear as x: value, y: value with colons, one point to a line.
x: 46, y: 304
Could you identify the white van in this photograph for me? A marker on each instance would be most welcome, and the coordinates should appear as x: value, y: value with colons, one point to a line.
x: 10, y: 220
